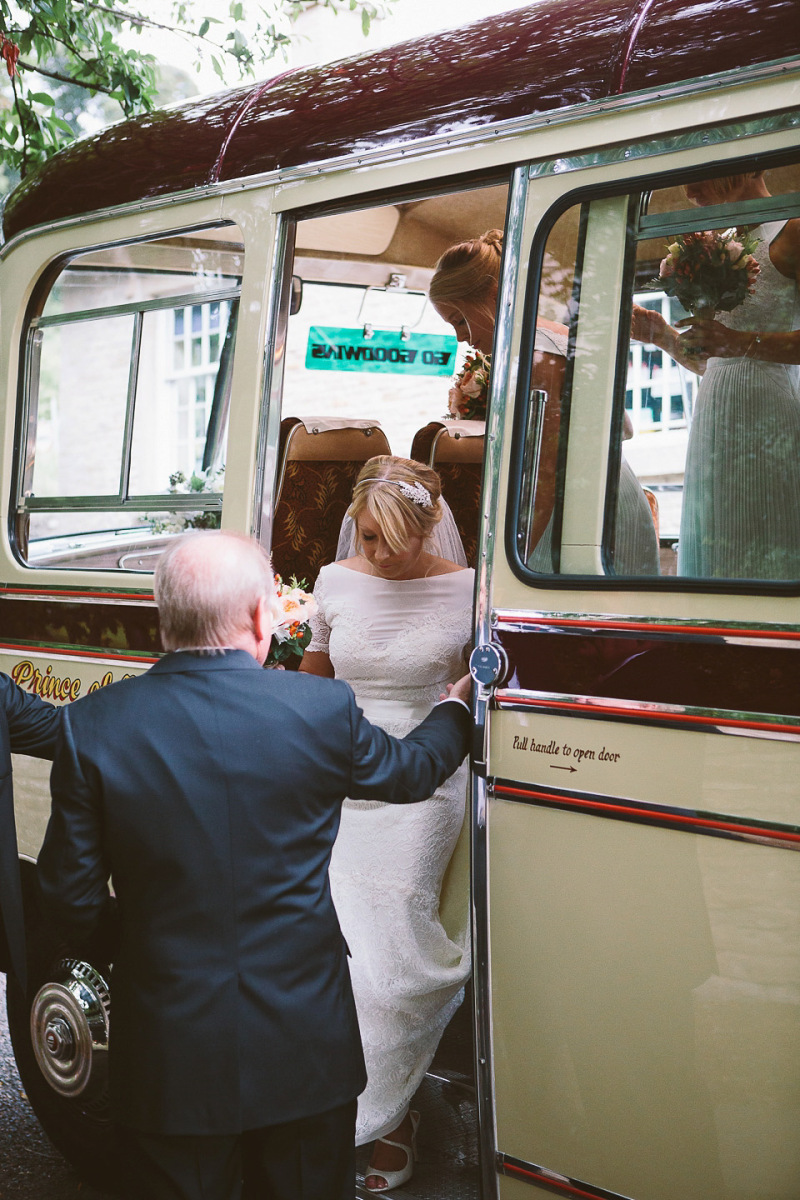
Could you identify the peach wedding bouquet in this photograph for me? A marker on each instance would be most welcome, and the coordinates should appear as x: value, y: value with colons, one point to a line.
x: 292, y: 633
x: 466, y: 400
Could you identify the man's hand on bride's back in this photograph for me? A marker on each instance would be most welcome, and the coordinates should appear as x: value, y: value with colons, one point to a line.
x: 460, y: 690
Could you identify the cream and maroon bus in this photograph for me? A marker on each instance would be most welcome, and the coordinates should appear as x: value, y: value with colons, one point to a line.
x: 213, y: 314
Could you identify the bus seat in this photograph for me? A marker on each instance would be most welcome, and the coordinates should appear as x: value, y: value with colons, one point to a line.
x: 455, y: 450
x: 318, y: 461
x: 652, y: 500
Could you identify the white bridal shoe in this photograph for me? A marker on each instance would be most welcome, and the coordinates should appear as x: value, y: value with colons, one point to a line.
x: 395, y: 1179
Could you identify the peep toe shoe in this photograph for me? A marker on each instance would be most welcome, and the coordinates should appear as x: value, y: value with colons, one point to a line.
x: 394, y: 1179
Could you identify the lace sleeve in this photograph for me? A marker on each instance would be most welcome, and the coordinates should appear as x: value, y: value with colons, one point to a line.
x: 320, y: 629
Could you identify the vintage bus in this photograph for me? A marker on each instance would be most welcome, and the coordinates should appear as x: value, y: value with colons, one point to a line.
x: 215, y: 313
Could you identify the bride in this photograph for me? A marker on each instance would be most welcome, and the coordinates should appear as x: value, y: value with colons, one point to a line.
x: 394, y: 620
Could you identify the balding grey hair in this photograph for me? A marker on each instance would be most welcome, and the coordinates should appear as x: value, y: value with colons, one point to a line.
x: 207, y: 585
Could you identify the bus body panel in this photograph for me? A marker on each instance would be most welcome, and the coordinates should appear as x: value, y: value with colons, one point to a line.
x: 646, y: 1031
x: 636, y: 895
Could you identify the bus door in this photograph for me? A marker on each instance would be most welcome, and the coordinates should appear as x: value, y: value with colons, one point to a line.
x: 637, y: 796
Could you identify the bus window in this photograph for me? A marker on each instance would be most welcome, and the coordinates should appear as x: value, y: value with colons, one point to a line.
x: 125, y: 410
x: 368, y: 367
x: 702, y: 476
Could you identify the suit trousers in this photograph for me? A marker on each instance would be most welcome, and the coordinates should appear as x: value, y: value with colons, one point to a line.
x: 311, y: 1158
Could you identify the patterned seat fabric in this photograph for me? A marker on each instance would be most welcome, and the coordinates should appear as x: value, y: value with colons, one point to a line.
x: 460, y: 467
x: 315, y: 491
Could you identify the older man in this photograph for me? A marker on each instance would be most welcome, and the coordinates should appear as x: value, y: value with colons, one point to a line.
x: 210, y: 791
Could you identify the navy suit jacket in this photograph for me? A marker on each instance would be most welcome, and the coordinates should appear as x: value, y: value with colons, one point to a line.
x: 210, y: 791
x: 28, y: 725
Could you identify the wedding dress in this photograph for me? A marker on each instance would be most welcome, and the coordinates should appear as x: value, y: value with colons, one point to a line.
x: 398, y: 643
x: 741, y: 495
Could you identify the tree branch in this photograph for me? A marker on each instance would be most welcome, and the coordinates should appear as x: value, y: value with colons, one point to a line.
x: 93, y: 87
x: 138, y: 19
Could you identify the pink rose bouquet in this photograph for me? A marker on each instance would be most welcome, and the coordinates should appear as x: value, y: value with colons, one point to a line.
x: 466, y: 400
x: 708, y: 272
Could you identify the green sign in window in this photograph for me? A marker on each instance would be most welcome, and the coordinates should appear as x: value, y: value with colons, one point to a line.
x: 331, y: 349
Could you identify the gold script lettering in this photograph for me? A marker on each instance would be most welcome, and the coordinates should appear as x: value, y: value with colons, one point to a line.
x: 47, y: 685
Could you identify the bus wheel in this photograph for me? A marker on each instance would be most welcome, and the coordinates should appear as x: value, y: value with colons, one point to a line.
x: 60, y: 1041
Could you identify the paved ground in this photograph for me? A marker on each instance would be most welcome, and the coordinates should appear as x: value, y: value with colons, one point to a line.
x: 30, y: 1168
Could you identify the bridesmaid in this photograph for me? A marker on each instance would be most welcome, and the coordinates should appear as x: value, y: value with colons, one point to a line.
x: 463, y: 290
x: 741, y: 495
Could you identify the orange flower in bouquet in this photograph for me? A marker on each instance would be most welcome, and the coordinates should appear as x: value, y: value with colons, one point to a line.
x: 467, y: 397
x: 292, y: 633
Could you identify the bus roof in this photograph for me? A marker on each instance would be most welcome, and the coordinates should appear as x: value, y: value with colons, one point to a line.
x: 550, y: 55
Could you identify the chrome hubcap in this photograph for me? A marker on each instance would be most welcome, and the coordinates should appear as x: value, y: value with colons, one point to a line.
x: 69, y: 1030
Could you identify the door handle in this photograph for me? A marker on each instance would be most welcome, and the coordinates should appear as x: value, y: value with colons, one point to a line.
x: 488, y: 666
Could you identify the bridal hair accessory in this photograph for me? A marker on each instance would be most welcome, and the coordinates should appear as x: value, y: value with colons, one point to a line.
x: 416, y: 492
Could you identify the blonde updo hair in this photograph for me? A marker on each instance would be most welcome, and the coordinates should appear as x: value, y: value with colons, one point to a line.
x: 469, y: 271
x: 396, y: 515
x: 725, y: 185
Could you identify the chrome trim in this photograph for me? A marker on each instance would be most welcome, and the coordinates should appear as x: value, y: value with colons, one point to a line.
x: 531, y: 454
x: 29, y: 424
x: 501, y: 359
x: 554, y: 1181
x: 123, y: 310
x: 127, y: 432
x: 501, y: 367
x: 657, y: 635
x: 754, y: 830
x: 693, y: 718
x: 716, y: 216
x: 133, y: 561
x: 162, y: 502
x: 67, y: 596
x: 756, y: 633
x: 274, y: 361
x: 671, y: 143
x: 437, y: 143
x: 484, y: 1073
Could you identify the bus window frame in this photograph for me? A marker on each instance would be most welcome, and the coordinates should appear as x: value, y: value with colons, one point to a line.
x: 21, y: 506
x: 279, y: 299
x: 634, y: 186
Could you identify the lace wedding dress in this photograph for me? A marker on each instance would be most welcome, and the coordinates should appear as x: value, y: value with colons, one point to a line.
x: 398, y: 643
x: 741, y: 496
